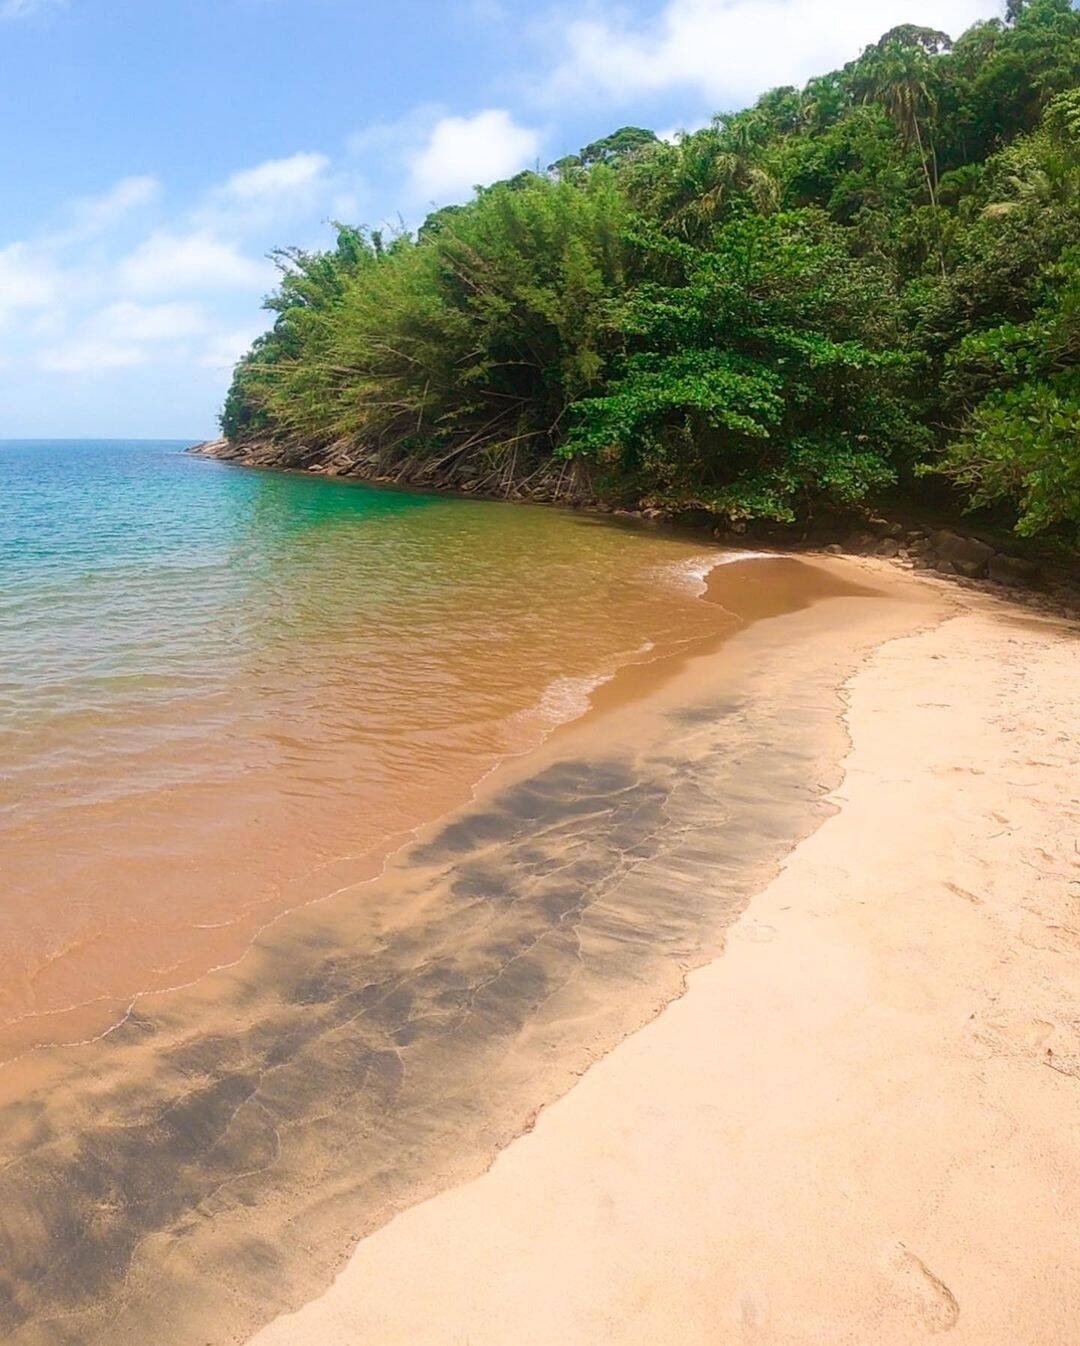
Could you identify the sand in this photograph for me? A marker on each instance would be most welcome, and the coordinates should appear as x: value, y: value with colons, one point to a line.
x: 209, y: 1164
x: 859, y: 1123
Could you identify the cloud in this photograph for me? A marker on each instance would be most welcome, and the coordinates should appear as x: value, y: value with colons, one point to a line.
x: 729, y: 51
x: 276, y: 178
x: 169, y: 263
x: 27, y: 279
x: 129, y: 321
x: 89, y: 355
x: 462, y: 152
x: 121, y: 334
x: 95, y: 214
x: 224, y: 349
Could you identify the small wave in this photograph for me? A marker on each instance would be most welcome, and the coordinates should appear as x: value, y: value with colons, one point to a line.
x: 692, y: 575
x: 567, y: 698
x: 726, y: 558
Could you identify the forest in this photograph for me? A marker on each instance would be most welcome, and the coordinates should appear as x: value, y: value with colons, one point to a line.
x: 862, y: 290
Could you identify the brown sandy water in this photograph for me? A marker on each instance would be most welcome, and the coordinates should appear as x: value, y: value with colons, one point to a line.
x: 225, y: 694
x: 208, y: 1163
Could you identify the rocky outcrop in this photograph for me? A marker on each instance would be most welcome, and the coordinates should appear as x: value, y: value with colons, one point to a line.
x: 550, y: 480
x: 943, y: 550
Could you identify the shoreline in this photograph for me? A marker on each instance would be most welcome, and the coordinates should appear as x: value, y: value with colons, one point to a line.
x: 945, y: 545
x: 639, y: 670
x: 371, y: 1055
x: 754, y: 1164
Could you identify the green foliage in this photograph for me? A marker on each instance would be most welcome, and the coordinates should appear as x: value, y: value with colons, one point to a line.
x: 765, y: 377
x: 843, y: 288
x: 1021, y: 447
x: 475, y: 339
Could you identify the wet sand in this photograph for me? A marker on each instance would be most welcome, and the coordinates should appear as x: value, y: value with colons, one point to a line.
x: 210, y: 1163
x: 860, y: 1123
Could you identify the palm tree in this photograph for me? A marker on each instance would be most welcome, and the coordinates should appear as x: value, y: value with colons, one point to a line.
x: 898, y: 73
x: 709, y: 169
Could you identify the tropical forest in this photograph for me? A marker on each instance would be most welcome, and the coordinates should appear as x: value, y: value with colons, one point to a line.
x: 863, y: 290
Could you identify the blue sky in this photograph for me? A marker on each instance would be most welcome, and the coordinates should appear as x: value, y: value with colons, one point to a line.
x: 153, y: 151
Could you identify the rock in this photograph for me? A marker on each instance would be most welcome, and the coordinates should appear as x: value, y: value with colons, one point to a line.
x: 835, y: 549
x: 883, y: 528
x: 860, y: 542
x: 1012, y: 570
x: 944, y: 567
x: 968, y: 555
x: 888, y: 547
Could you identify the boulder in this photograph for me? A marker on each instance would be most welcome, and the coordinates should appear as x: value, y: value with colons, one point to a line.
x: 887, y: 547
x: 860, y: 542
x: 1012, y: 570
x: 835, y: 549
x: 968, y: 555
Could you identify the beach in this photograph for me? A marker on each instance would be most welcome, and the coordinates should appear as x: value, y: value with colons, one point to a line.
x: 860, y: 1121
x: 703, y: 1017
x: 539, y: 650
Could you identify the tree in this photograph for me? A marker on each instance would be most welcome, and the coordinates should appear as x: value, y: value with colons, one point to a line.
x: 898, y: 72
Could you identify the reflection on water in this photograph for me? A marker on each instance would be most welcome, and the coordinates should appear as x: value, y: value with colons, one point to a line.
x: 224, y: 693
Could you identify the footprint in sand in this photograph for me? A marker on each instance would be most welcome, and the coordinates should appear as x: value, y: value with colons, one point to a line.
x: 929, y: 1299
x: 965, y: 893
x: 1014, y: 1033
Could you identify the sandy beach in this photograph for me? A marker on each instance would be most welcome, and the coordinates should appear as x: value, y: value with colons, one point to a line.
x: 859, y: 1122
x: 743, y: 1009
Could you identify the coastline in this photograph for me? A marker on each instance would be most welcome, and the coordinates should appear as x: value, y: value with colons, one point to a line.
x: 370, y: 1054
x: 946, y: 545
x: 854, y: 1125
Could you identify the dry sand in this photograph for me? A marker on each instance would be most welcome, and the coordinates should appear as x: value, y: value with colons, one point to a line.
x: 859, y: 1124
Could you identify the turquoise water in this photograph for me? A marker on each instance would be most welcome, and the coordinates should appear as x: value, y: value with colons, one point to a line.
x: 223, y: 691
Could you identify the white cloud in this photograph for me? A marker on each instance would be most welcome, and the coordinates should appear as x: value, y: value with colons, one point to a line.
x: 121, y: 334
x: 224, y: 349
x: 95, y: 214
x: 27, y: 279
x: 177, y: 263
x: 90, y: 354
x: 729, y: 51
x: 266, y: 196
x: 149, y: 322
x: 462, y: 152
x: 276, y: 178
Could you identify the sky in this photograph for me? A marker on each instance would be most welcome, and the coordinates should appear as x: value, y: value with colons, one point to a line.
x: 153, y: 152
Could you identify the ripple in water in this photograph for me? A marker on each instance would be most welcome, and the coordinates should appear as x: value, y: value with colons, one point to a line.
x: 224, y: 694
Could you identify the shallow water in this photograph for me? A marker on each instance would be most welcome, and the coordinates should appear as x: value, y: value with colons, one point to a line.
x: 207, y: 1164
x: 225, y: 693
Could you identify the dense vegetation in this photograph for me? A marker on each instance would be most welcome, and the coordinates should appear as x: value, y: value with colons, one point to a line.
x: 869, y: 284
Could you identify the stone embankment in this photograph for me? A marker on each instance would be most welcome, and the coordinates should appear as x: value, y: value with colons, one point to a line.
x: 942, y: 550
